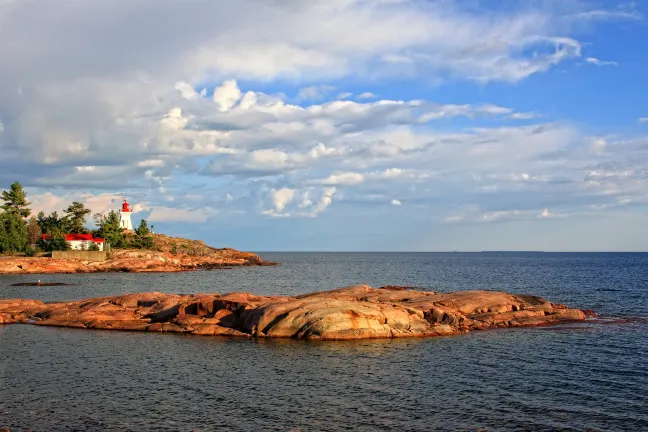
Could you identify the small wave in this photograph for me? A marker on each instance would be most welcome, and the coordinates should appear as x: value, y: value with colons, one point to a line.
x: 617, y: 320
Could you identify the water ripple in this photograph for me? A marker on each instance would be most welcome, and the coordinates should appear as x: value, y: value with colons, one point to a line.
x: 589, y: 376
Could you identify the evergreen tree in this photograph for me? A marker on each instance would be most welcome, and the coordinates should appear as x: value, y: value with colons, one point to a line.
x: 53, y: 227
x: 51, y: 223
x: 13, y: 227
x: 16, y: 201
x: 55, y: 240
x: 13, y: 233
x: 109, y: 229
x: 143, y: 238
x: 41, y: 219
x: 143, y: 230
x: 75, y: 218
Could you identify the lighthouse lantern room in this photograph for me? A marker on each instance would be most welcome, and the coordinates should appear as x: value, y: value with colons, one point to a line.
x: 125, y: 217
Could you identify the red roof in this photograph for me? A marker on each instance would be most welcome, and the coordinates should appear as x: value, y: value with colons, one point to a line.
x: 82, y: 237
x: 70, y: 237
x: 78, y: 237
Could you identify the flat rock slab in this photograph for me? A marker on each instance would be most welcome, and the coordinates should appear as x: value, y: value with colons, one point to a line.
x: 357, y: 312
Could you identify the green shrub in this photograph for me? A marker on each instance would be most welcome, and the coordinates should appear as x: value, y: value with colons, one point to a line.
x: 58, y: 244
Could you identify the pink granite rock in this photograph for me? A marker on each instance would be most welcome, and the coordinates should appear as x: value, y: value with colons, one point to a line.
x: 358, y: 312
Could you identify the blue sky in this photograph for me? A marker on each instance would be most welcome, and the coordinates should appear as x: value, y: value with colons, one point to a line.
x: 407, y: 125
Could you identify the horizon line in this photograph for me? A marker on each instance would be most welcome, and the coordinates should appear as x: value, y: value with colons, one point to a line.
x: 446, y: 251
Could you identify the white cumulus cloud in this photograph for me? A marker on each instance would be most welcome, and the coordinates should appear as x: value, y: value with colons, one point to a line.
x: 226, y: 96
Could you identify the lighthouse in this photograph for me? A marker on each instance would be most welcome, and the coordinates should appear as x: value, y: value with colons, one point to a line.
x: 125, y: 217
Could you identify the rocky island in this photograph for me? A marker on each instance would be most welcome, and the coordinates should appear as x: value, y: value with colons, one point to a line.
x: 168, y: 254
x: 40, y: 243
x: 358, y: 312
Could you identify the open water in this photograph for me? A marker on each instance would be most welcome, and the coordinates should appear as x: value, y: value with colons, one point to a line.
x: 581, y: 377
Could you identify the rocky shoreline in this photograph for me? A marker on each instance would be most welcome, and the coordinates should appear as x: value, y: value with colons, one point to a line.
x: 358, y: 312
x: 133, y: 261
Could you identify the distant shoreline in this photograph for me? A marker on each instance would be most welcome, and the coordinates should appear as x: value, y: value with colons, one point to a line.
x: 453, y: 252
x: 132, y: 261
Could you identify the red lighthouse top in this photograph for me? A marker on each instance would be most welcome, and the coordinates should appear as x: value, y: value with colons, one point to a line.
x: 126, y: 207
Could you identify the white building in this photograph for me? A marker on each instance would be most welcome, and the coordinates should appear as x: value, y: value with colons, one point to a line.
x: 81, y: 241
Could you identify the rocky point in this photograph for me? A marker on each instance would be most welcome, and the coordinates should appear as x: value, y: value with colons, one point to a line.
x: 132, y: 261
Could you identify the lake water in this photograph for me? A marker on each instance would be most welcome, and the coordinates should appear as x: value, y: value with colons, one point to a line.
x: 574, y: 377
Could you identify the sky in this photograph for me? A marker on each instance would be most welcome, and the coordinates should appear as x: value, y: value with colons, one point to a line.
x: 336, y: 125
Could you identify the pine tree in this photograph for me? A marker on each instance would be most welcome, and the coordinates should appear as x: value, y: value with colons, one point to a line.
x: 143, y: 238
x: 41, y: 219
x: 16, y: 201
x: 13, y: 233
x: 51, y: 223
x: 55, y: 240
x: 143, y: 230
x: 108, y: 228
x: 13, y: 227
x: 75, y: 218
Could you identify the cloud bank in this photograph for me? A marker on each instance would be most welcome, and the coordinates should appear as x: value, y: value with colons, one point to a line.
x: 267, y: 111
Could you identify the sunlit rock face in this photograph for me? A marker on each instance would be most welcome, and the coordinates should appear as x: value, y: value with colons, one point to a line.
x: 358, y: 312
x: 136, y: 261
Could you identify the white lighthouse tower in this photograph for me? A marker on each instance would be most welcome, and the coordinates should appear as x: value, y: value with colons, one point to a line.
x: 125, y: 217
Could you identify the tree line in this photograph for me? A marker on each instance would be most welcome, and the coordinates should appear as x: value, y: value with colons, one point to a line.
x: 20, y: 232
